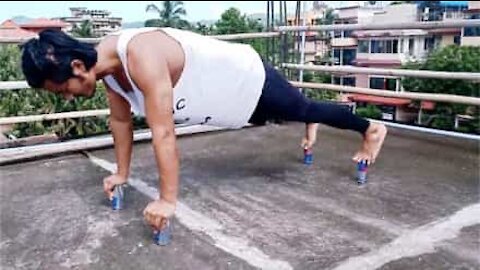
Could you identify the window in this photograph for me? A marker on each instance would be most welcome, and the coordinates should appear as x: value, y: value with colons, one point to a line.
x: 474, y: 16
x: 395, y: 46
x: 383, y: 83
x: 472, y: 32
x: 337, y: 80
x: 411, y: 46
x: 384, y: 46
x: 349, y: 56
x: 348, y: 33
x: 349, y: 81
x: 389, y: 46
x: 456, y: 40
x: 336, y: 56
x: 429, y: 43
x: 363, y: 46
x: 377, y: 83
x: 374, y: 46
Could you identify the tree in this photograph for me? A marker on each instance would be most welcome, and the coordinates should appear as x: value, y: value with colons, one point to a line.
x: 10, y: 63
x: 170, y: 15
x: 233, y: 22
x: 84, y: 31
x: 329, y: 16
x: 455, y: 59
x: 202, y: 29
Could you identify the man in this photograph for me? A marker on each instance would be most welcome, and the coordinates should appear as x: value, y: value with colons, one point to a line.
x: 170, y: 75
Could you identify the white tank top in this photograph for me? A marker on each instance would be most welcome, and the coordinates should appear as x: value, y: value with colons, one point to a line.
x: 220, y: 84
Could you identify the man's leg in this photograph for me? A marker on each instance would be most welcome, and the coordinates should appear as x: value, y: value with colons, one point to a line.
x: 281, y: 100
x: 310, y: 135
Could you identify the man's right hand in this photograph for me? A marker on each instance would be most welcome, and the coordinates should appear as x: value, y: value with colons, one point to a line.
x: 110, y: 182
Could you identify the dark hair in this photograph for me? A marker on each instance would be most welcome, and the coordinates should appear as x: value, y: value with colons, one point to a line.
x: 49, y: 56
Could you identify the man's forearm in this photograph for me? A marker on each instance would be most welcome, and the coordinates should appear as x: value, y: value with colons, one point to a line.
x: 123, y: 138
x: 167, y: 158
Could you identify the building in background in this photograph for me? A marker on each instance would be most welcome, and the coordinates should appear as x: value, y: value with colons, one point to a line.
x: 344, y: 43
x: 101, y: 21
x: 393, y: 48
x: 471, y: 35
x: 316, y: 43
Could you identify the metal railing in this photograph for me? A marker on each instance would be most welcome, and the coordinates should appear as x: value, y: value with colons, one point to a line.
x: 331, y: 69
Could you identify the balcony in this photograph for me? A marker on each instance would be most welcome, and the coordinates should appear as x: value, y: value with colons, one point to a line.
x: 344, y: 42
x: 378, y: 59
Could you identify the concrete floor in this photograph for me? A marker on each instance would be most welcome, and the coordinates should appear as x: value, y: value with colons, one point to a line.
x: 248, y: 202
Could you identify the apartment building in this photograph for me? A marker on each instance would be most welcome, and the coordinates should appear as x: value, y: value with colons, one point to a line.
x: 102, y: 22
x: 471, y: 35
x: 393, y: 48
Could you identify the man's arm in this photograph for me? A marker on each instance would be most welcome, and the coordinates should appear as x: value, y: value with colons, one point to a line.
x: 149, y: 71
x: 122, y: 132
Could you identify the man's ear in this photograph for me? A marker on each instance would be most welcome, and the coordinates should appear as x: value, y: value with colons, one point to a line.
x: 78, y: 67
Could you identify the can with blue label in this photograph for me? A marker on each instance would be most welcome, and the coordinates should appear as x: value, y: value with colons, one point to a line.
x: 164, y: 236
x: 362, y: 169
x: 118, y: 197
x: 307, y: 156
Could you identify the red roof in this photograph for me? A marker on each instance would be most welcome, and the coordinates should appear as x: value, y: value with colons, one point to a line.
x: 428, y: 105
x: 380, y: 100
x: 44, y: 23
x: 9, y: 29
x: 9, y: 24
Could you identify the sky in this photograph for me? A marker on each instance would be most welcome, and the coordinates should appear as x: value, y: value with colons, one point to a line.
x: 135, y: 11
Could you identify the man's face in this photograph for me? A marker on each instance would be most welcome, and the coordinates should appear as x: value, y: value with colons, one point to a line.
x: 72, y: 88
x: 83, y: 83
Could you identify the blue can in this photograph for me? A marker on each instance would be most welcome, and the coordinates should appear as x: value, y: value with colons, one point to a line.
x: 307, y: 156
x: 164, y: 236
x: 118, y: 197
x: 362, y: 169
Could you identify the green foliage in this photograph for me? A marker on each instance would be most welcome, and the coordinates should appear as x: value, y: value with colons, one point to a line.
x: 233, y: 22
x: 202, y: 29
x: 319, y: 94
x: 170, y: 15
x: 455, y: 59
x: 33, y: 101
x: 84, y: 31
x: 9, y: 63
x: 371, y: 111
